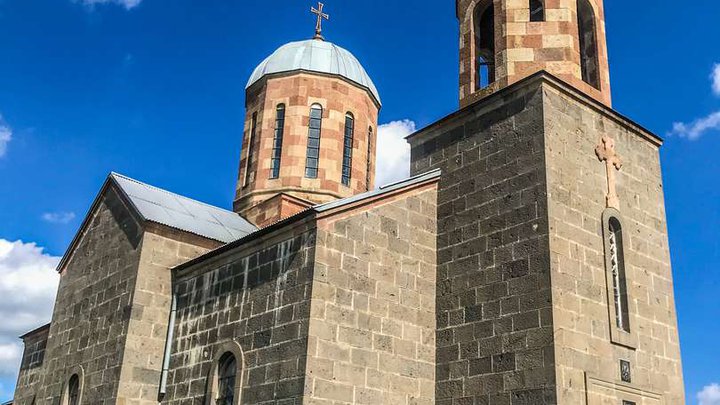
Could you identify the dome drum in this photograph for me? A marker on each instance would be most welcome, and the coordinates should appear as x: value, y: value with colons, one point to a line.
x: 310, y: 131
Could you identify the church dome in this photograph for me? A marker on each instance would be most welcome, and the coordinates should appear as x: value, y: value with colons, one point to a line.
x: 315, y: 56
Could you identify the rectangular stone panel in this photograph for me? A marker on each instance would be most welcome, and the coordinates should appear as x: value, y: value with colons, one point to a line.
x: 601, y: 392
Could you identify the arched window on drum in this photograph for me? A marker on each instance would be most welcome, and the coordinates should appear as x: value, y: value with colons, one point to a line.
x: 312, y: 161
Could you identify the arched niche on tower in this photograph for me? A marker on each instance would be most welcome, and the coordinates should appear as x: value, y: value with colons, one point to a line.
x: 587, y: 23
x: 503, y: 42
x: 484, y: 48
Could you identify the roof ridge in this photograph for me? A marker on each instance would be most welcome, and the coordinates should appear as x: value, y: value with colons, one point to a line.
x: 431, y: 174
x: 409, y: 179
x: 170, y: 192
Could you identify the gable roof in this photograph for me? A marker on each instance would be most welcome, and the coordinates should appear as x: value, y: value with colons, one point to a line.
x: 37, y: 330
x: 173, y: 210
x: 152, y: 204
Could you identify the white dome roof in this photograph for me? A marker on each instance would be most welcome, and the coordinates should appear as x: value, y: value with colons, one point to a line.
x: 315, y: 56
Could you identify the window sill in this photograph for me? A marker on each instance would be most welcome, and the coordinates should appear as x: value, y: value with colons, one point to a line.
x: 621, y: 338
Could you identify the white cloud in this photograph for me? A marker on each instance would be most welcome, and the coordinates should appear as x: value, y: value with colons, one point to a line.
x: 716, y: 79
x: 128, y: 4
x: 393, y: 152
x: 697, y: 128
x: 58, y: 217
x: 710, y: 395
x: 5, y: 136
x: 28, y: 283
x: 694, y: 130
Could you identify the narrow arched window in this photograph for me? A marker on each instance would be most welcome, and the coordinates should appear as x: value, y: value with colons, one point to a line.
x: 227, y: 373
x: 313, y: 147
x: 368, y: 174
x: 249, y: 169
x: 484, y: 24
x: 348, y: 149
x: 616, y: 258
x: 589, y: 63
x: 277, y: 143
x: 73, y: 390
x: 537, y: 10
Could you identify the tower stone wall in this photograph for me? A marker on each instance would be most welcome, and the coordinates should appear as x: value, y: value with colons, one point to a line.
x: 588, y: 346
x: 298, y: 91
x: 494, y: 297
x: 524, y: 47
x: 525, y: 291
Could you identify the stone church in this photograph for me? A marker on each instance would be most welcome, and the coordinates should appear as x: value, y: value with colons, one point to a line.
x: 525, y: 262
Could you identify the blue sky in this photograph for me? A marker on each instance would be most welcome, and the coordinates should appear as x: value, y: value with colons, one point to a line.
x: 155, y: 89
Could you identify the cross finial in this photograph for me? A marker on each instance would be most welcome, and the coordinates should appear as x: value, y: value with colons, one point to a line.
x: 320, y: 15
x: 605, y: 151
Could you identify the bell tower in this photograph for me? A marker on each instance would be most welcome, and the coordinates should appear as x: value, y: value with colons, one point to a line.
x: 551, y: 233
x: 504, y: 41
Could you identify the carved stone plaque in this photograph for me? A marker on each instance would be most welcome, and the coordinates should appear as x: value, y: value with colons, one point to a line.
x: 625, y: 373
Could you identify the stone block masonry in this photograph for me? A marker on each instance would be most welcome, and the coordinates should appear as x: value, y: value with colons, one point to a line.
x: 33, y: 358
x: 372, y: 321
x: 298, y: 92
x: 257, y: 296
x: 585, y: 347
x: 162, y: 249
x: 524, y: 306
x: 110, y: 316
x: 335, y: 308
x: 494, y: 301
x: 93, y: 307
x: 484, y: 282
x: 525, y: 47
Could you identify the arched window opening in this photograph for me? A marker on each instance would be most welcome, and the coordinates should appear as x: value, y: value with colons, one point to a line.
x: 537, y: 10
x: 617, y: 267
x: 348, y: 149
x: 227, y: 373
x: 484, y: 19
x: 249, y: 169
x: 73, y: 390
x: 313, y: 148
x: 589, y: 63
x: 277, y: 144
x: 368, y: 173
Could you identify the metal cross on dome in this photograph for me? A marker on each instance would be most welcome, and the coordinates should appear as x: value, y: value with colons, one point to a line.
x: 320, y: 15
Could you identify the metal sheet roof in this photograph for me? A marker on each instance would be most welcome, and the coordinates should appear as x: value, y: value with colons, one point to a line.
x: 166, y: 208
x: 315, y: 56
x: 431, y: 175
x: 379, y: 192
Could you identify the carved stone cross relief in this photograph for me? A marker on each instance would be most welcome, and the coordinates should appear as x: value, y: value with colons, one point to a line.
x: 605, y: 151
